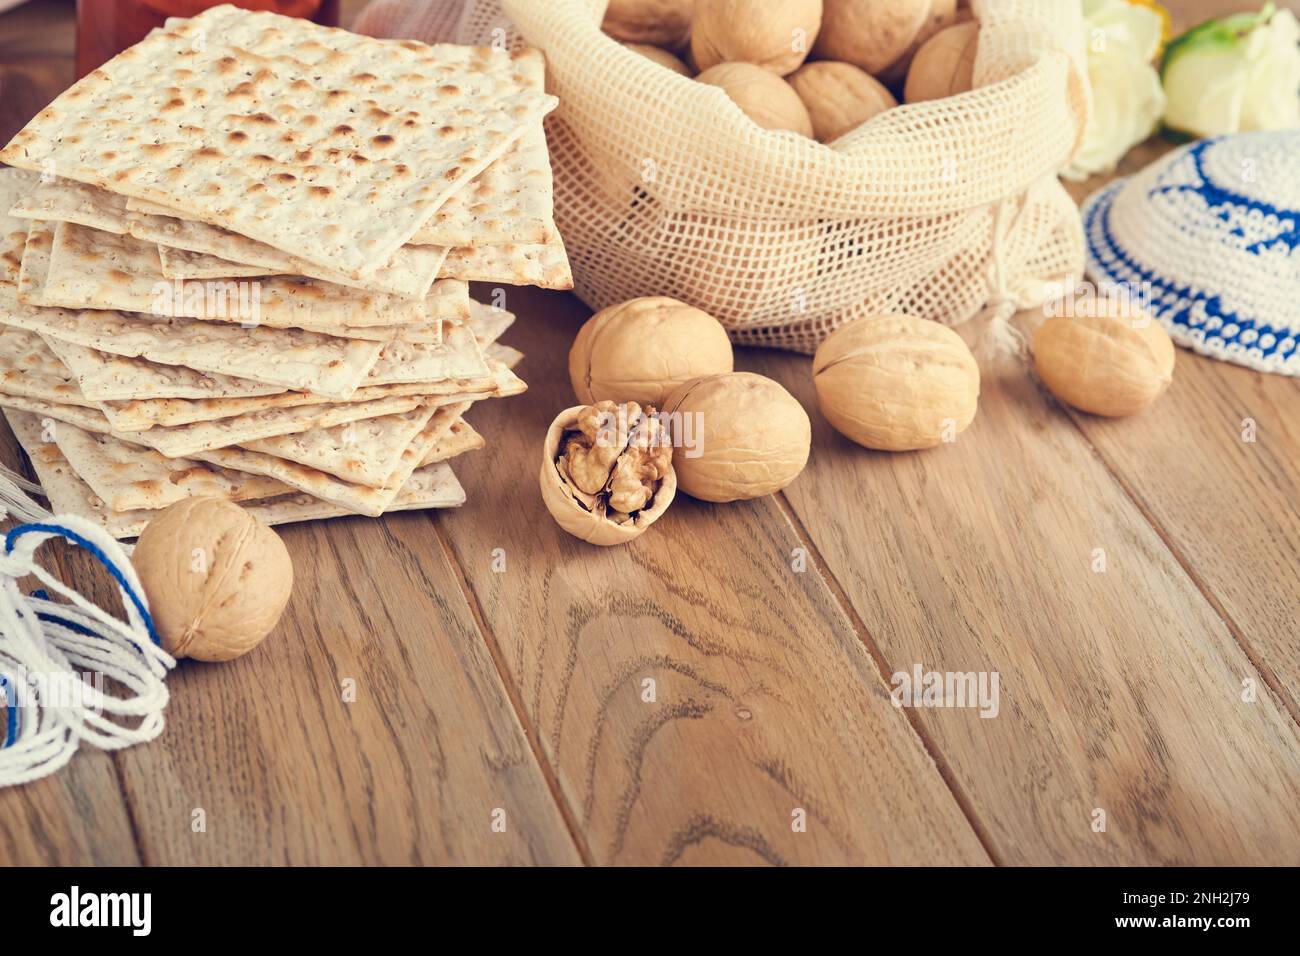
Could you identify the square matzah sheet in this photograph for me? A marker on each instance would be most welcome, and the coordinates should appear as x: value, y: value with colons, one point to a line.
x: 319, y: 142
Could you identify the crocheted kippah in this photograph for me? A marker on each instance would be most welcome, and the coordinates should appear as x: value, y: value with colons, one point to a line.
x: 1211, y: 233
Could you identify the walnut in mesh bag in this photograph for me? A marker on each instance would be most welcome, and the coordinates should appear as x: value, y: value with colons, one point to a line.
x: 607, y: 471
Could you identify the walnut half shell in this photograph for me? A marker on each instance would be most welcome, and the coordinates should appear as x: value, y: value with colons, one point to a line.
x: 607, y: 471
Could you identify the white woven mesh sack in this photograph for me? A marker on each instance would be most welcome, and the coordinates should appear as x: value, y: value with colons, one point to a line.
x: 940, y: 209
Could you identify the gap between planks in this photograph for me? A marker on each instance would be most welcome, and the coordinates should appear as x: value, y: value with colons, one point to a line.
x: 1266, y: 673
x: 882, y: 670
x: 512, y: 694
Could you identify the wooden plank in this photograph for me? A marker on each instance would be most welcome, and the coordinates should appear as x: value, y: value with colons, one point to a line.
x: 77, y: 816
x: 284, y: 770
x: 1226, y: 506
x: 289, y: 772
x: 36, y: 49
x: 1120, y: 691
x: 765, y: 702
x: 1213, y: 464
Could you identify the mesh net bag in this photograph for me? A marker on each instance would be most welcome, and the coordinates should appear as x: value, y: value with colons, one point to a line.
x: 664, y: 187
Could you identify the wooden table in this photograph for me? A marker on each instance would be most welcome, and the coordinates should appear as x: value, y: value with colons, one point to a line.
x: 690, y: 698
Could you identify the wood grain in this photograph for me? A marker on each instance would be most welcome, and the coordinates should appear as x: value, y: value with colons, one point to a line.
x: 765, y: 701
x: 36, y: 60
x: 525, y: 690
x: 1213, y: 465
x: 1120, y: 690
x: 290, y: 772
x: 1225, y: 506
x: 77, y: 816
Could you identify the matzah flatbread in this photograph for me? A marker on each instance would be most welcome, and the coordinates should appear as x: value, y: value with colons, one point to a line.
x: 512, y: 201
x: 104, y: 377
x: 184, y: 441
x: 223, y: 299
x: 93, y: 269
x: 362, y: 499
x: 182, y: 264
x: 198, y: 249
x: 293, y: 358
x: 29, y: 368
x: 13, y: 232
x: 460, y: 438
x: 509, y: 202
x: 63, y: 200
x: 129, y: 478
x: 458, y: 357
x: 366, y: 452
x: 434, y: 486
x: 332, y: 146
x: 546, y: 266
x: 127, y: 413
x: 198, y: 246
x: 497, y: 353
x: 139, y: 415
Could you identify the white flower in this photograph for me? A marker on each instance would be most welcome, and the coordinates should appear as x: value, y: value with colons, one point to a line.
x: 1127, y: 99
x: 1235, y: 74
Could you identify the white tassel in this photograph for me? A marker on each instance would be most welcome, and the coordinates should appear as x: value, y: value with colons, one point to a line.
x: 47, y: 647
x: 16, y: 500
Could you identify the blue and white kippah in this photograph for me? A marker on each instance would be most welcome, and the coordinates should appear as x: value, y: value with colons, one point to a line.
x: 1210, y: 235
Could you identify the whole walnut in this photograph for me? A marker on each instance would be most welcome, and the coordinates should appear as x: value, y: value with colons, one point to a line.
x: 764, y: 97
x: 737, y: 436
x: 839, y: 96
x: 662, y: 57
x: 642, y: 349
x: 896, y: 382
x: 774, y: 34
x: 945, y: 65
x: 943, y: 14
x: 607, y: 471
x: 1106, y: 364
x: 661, y: 23
x: 217, y: 579
x: 876, y: 34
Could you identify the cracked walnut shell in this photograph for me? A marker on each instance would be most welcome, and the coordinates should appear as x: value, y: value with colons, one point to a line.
x: 607, y: 471
x: 641, y: 350
x: 896, y: 382
x: 737, y: 436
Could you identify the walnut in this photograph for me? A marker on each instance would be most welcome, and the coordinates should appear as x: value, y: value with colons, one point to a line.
x: 1105, y: 361
x: 640, y: 350
x: 665, y: 23
x: 773, y: 34
x: 896, y: 382
x: 738, y: 436
x: 840, y: 97
x: 216, y: 578
x: 661, y: 56
x: 764, y: 97
x: 607, y: 471
x: 879, y: 34
x: 945, y: 64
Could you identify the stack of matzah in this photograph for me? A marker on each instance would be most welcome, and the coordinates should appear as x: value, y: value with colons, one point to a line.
x: 234, y: 262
